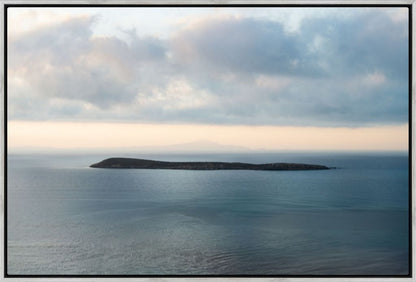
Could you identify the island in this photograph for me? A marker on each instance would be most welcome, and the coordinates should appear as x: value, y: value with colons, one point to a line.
x: 120, y: 163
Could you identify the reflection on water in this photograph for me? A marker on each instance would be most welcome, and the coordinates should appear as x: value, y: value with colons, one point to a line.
x: 66, y: 218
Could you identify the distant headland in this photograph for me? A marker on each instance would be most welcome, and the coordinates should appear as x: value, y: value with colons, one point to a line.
x: 151, y: 164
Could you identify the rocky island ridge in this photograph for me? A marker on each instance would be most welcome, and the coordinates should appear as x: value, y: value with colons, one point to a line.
x: 132, y: 163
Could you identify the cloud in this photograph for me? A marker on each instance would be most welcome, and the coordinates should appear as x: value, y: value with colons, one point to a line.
x: 243, y: 45
x: 64, y: 61
x: 369, y: 41
x: 332, y: 71
x: 374, y: 79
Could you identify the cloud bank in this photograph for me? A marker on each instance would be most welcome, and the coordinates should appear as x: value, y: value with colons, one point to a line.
x: 330, y: 71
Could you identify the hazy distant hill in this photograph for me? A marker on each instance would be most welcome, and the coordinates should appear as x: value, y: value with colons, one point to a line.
x: 196, y: 146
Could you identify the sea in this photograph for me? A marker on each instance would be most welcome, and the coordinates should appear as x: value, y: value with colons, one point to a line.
x: 65, y: 218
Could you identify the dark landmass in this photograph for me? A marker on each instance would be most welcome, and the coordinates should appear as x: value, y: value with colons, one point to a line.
x: 150, y: 164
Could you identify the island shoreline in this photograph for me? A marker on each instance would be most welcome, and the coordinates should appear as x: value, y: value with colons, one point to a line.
x: 132, y: 163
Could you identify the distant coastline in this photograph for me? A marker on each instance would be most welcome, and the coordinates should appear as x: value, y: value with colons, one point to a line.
x: 130, y: 163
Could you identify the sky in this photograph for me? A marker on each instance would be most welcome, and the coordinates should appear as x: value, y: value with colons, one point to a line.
x: 261, y: 78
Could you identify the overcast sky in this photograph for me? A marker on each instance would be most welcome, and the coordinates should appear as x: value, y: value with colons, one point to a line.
x: 309, y: 67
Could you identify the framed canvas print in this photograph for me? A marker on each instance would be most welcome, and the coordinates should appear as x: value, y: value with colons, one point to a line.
x: 207, y: 140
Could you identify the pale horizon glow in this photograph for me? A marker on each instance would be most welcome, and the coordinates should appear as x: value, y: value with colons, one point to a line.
x: 93, y: 135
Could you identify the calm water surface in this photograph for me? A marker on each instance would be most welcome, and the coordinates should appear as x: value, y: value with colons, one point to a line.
x: 67, y: 218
